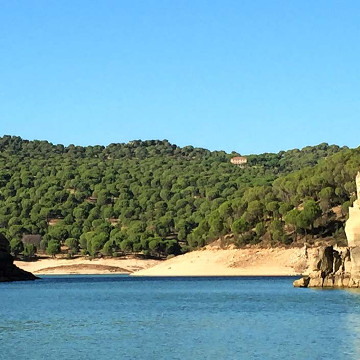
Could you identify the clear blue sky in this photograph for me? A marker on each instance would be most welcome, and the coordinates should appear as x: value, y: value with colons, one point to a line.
x: 246, y: 75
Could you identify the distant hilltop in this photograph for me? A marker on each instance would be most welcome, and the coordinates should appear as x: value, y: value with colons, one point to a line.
x: 17, y: 143
x: 156, y: 199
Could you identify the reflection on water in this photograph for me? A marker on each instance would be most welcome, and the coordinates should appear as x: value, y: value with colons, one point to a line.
x: 353, y: 321
x: 120, y: 317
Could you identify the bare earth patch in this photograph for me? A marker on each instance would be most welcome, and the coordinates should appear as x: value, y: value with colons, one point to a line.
x: 82, y: 269
x: 210, y: 261
x: 213, y: 261
x: 83, y: 265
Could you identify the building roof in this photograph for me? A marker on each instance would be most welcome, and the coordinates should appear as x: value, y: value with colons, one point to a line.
x: 238, y: 158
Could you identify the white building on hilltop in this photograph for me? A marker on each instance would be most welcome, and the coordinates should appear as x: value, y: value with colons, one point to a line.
x: 239, y: 160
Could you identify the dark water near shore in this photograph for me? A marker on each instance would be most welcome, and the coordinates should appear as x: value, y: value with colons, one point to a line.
x: 121, y: 317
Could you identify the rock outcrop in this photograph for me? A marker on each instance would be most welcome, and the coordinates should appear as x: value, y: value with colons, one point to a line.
x: 333, y: 268
x: 8, y: 271
x: 352, y: 230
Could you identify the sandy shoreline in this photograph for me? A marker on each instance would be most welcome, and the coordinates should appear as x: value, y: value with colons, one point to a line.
x: 232, y: 262
x: 82, y: 265
x: 210, y: 261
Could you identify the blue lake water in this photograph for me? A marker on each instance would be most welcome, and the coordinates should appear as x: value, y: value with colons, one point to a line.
x: 122, y: 317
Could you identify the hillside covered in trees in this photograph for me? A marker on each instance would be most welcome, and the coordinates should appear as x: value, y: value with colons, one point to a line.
x: 156, y: 198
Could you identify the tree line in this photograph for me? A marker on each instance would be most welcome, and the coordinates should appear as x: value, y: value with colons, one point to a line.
x: 158, y: 199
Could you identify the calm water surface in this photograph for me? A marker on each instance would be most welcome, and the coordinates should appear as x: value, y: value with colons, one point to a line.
x: 120, y: 317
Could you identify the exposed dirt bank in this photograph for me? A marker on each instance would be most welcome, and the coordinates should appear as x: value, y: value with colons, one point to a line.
x: 211, y: 261
x: 82, y: 265
x: 235, y: 262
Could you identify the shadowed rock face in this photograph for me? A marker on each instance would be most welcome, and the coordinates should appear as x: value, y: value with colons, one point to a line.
x: 8, y: 271
x: 332, y: 269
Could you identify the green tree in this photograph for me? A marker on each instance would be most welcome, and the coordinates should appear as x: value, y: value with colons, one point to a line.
x: 291, y: 218
x: 172, y: 248
x: 73, y: 245
x: 126, y: 245
x: 240, y: 226
x: 254, y: 212
x: 260, y: 229
x: 96, y: 243
x: 108, y: 248
x: 16, y: 247
x: 216, y: 223
x: 29, y: 251
x: 273, y: 208
x: 310, y: 213
x: 53, y: 248
x: 284, y: 208
x: 276, y: 230
x: 58, y: 232
x: 156, y: 246
x: 325, y: 195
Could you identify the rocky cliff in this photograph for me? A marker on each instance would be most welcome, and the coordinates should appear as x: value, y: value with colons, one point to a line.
x: 330, y: 268
x: 8, y: 271
x: 334, y: 268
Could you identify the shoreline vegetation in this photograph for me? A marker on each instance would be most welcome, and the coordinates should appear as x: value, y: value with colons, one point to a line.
x: 157, y: 200
x: 209, y: 261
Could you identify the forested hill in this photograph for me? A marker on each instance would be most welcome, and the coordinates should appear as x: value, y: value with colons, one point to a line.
x: 159, y: 199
